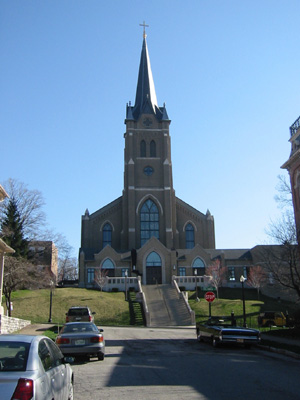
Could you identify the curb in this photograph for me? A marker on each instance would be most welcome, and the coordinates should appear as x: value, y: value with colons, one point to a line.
x: 280, y: 351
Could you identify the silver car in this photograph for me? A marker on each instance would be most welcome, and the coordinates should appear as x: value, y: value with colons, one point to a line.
x: 81, y: 339
x: 33, y: 367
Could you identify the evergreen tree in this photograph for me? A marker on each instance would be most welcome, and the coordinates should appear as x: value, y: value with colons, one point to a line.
x: 12, y: 230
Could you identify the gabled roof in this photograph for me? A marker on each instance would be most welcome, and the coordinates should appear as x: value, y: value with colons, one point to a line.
x: 145, y: 99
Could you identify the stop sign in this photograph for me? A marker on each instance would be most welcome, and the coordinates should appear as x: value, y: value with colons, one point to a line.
x: 209, y: 296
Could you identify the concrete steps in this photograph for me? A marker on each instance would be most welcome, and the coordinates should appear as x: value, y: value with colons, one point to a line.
x: 165, y: 306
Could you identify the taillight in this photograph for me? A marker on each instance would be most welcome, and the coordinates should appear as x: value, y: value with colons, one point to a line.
x: 61, y: 340
x: 90, y: 318
x: 24, y: 390
x: 96, y: 339
x: 67, y: 319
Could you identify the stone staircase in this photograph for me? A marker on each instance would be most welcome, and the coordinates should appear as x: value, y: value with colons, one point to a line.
x: 165, y: 306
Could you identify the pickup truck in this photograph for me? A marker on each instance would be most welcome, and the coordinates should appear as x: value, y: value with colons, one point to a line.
x: 273, y: 318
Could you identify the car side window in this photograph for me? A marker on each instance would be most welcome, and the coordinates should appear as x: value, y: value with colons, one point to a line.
x: 57, y: 356
x: 45, y: 355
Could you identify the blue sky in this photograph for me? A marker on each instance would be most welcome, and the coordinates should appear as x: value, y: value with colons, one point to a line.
x: 228, y: 72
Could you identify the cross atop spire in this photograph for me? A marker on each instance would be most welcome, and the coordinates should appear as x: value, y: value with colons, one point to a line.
x: 144, y: 33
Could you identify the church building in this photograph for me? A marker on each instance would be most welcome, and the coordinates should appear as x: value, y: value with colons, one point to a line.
x: 147, y: 231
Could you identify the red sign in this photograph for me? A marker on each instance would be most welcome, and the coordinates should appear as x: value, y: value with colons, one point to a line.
x: 209, y: 296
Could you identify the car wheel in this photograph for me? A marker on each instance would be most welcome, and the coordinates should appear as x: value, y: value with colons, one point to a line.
x: 71, y: 392
x: 215, y: 343
x: 100, y: 356
x: 199, y: 337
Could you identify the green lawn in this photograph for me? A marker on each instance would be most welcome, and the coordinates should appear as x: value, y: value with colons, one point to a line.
x: 34, y: 305
x: 112, y: 309
x: 231, y: 300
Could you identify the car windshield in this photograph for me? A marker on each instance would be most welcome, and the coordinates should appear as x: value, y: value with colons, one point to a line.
x: 70, y: 328
x: 78, y: 312
x: 13, y: 356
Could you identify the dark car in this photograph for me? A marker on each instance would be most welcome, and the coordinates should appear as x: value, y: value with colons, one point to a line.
x: 33, y: 367
x: 219, y: 331
x: 80, y: 314
x: 81, y: 339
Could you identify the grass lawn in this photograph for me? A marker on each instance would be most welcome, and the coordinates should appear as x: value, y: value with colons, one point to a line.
x: 231, y: 300
x: 34, y: 305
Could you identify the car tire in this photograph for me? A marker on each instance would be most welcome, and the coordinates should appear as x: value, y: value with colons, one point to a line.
x: 199, y: 337
x: 71, y: 392
x: 100, y: 356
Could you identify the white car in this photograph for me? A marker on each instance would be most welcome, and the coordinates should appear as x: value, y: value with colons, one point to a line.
x: 33, y: 367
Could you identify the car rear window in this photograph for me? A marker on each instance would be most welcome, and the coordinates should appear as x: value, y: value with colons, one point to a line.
x: 78, y: 311
x: 13, y: 356
x: 70, y: 328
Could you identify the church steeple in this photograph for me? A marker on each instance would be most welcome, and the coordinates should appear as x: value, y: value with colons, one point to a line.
x: 145, y: 99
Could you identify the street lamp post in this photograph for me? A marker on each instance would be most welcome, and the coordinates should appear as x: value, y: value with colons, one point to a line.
x: 50, y: 309
x: 242, y: 280
x: 126, y: 274
x: 196, y: 288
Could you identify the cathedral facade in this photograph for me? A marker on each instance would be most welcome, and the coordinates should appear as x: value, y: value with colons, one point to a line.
x: 148, y: 231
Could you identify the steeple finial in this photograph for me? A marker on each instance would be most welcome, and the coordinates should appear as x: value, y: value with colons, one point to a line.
x: 144, y: 33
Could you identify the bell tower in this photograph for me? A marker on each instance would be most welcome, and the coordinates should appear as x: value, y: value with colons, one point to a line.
x: 147, y: 166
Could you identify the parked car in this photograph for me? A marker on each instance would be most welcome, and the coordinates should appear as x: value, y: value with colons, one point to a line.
x: 222, y: 331
x: 33, y: 367
x: 81, y: 339
x: 78, y: 314
x: 274, y: 318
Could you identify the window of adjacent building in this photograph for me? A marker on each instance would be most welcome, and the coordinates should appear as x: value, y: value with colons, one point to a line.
x: 106, y: 235
x: 245, y: 272
x: 182, y: 271
x: 152, y: 148
x: 189, y: 236
x: 90, y: 275
x: 231, y: 274
x: 143, y: 148
x: 153, y: 260
x: 149, y: 221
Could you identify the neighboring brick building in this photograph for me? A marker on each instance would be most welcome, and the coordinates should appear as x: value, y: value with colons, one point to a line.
x: 44, y: 255
x: 293, y: 167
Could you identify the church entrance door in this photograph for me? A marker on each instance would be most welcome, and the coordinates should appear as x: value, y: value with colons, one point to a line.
x: 153, y: 276
x: 153, y: 269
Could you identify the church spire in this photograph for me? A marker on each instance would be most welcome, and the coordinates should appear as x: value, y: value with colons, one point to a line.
x: 145, y: 99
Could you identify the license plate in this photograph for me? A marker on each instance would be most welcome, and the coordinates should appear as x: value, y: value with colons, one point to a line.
x: 79, y: 342
x: 240, y: 340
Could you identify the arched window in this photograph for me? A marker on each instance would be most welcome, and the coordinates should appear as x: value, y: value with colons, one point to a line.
x: 108, y: 264
x: 106, y: 235
x: 198, y: 266
x: 108, y: 267
x: 152, y: 148
x: 153, y: 260
x: 143, y: 148
x: 149, y: 221
x: 189, y: 236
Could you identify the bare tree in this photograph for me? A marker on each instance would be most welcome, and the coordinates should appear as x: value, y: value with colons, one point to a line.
x: 284, y: 196
x: 100, y: 278
x: 283, y: 261
x: 21, y: 274
x: 217, y: 274
x: 29, y: 204
x: 257, y: 278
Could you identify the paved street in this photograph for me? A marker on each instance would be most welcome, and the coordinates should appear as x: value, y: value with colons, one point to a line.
x: 145, y: 363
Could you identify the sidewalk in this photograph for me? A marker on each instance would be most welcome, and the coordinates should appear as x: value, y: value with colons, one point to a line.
x: 36, y: 329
